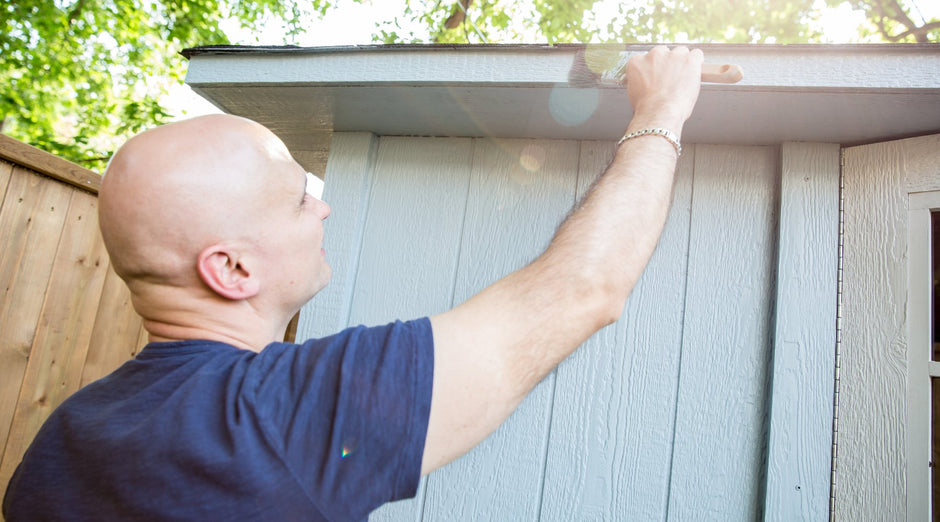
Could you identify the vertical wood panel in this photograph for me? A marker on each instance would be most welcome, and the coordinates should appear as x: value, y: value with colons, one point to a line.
x: 873, y: 366
x: 410, y: 242
x: 872, y: 467
x: 800, y: 443
x: 717, y: 471
x: 31, y: 222
x: 68, y: 314
x: 920, y: 294
x: 6, y: 171
x: 612, y: 428
x: 520, y: 189
x: 412, y: 229
x: 116, y: 330
x: 346, y: 189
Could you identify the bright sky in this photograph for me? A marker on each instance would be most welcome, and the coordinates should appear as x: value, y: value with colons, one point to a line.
x: 355, y: 23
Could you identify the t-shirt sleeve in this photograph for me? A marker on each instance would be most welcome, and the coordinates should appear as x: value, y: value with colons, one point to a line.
x: 349, y: 413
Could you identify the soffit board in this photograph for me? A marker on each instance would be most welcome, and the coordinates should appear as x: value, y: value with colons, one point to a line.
x: 826, y: 93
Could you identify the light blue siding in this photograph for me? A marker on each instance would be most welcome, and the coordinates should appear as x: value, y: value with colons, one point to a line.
x: 800, y: 444
x: 663, y: 415
x: 609, y: 453
x: 519, y: 191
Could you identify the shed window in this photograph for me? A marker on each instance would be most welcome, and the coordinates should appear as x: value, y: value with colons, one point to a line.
x: 923, y: 364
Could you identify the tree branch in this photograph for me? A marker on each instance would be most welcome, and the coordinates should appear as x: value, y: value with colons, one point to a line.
x: 76, y: 11
x: 459, y: 14
x: 900, y: 16
x: 919, y: 33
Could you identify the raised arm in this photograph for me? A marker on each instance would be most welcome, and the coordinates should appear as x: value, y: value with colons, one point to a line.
x: 493, y: 349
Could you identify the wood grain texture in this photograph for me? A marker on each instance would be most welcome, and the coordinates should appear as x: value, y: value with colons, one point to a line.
x: 800, y: 442
x: 872, y: 404
x: 871, y: 477
x: 346, y: 189
x: 114, y: 338
x: 717, y: 470
x: 921, y: 171
x: 45, y: 163
x: 409, y: 241
x: 6, y: 171
x: 55, y: 365
x: 519, y: 191
x: 612, y: 428
x: 31, y: 222
x: 920, y: 354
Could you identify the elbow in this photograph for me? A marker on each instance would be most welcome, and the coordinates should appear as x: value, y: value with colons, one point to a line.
x: 612, y: 307
x: 606, y: 299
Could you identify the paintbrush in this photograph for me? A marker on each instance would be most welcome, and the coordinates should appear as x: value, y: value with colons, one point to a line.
x: 597, y: 66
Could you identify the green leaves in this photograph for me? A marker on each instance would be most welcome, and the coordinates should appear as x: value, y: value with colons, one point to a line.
x: 80, y: 76
x: 896, y: 21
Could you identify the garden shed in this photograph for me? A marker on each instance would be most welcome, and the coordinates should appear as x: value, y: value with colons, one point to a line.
x: 775, y: 360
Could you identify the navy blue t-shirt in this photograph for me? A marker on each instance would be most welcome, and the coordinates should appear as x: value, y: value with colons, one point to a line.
x: 200, y: 430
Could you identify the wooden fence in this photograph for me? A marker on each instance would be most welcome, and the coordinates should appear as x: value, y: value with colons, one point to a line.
x: 65, y: 317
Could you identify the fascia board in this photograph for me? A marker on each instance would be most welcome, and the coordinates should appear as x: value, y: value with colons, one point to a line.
x: 842, y: 93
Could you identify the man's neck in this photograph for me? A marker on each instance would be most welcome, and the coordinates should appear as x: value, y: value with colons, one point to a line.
x: 184, y: 317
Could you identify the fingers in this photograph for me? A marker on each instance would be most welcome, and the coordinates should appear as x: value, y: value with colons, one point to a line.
x: 665, y: 80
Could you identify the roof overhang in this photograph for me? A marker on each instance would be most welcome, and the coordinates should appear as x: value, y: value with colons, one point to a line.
x: 823, y: 93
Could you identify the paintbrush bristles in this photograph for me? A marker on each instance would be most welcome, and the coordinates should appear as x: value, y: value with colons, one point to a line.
x: 610, y: 66
x: 605, y: 66
x: 595, y: 66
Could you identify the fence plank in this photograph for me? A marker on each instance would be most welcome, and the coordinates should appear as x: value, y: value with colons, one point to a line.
x: 45, y: 163
x: 115, y: 336
x: 6, y: 172
x: 31, y: 221
x: 54, y: 369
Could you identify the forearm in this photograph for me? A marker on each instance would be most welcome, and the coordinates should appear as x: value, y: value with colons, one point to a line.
x: 491, y: 350
x: 609, y: 238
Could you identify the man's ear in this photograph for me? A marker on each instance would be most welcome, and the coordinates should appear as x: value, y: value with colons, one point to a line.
x: 221, y: 270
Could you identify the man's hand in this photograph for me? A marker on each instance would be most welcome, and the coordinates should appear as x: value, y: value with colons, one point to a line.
x: 665, y: 83
x: 490, y: 351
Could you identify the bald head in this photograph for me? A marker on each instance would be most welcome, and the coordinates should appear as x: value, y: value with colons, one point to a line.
x: 209, y: 223
x: 170, y: 191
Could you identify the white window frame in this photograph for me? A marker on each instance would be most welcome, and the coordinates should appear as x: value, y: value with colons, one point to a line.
x: 920, y: 366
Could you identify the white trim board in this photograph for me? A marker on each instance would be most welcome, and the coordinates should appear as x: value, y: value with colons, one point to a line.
x: 835, y: 94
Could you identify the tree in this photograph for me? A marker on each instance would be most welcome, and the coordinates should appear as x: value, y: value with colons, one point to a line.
x: 80, y: 76
x: 731, y: 21
x: 896, y: 22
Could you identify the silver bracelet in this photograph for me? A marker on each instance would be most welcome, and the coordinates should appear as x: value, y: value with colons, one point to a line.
x: 670, y: 136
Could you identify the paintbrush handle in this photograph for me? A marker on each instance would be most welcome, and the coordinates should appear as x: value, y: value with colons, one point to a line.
x: 721, y: 73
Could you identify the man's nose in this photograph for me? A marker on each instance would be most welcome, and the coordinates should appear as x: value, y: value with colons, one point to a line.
x: 323, y: 209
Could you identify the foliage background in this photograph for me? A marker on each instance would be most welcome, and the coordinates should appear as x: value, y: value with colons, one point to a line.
x: 81, y: 76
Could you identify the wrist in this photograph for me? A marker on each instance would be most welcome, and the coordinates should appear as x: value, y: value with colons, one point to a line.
x: 662, y: 118
x: 663, y: 133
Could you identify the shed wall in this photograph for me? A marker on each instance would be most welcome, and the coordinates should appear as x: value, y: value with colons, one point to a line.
x: 662, y: 415
x: 873, y: 409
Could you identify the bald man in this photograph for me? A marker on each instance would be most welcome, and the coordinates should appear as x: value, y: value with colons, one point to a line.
x: 217, y: 232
